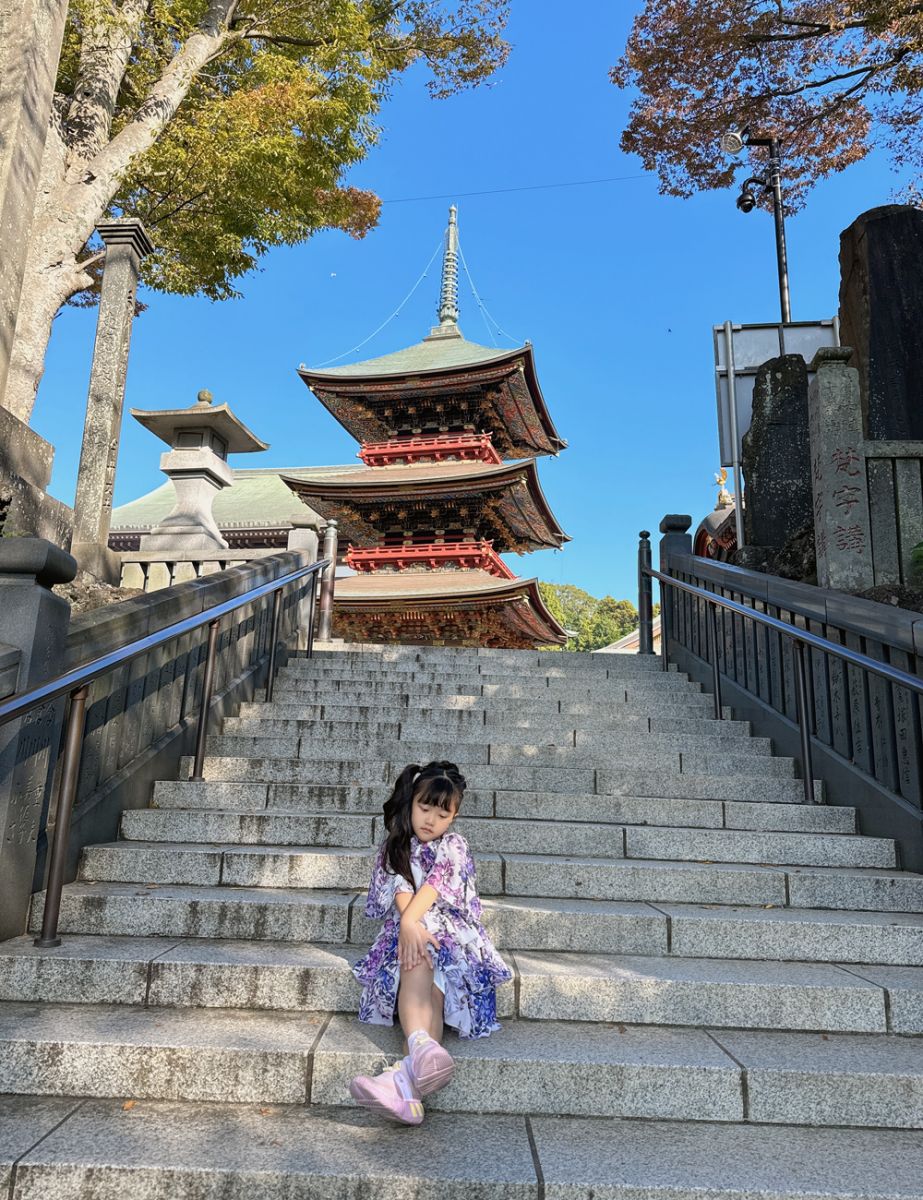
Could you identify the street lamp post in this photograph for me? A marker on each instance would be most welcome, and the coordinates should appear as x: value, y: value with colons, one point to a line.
x: 733, y: 143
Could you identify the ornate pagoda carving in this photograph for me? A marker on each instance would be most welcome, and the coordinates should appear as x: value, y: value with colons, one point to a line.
x: 435, y: 503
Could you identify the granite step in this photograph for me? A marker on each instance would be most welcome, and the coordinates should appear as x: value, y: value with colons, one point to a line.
x: 657, y: 750
x: 620, y: 716
x: 471, y: 727
x: 662, y: 687
x: 541, y: 876
x: 664, y: 1072
x: 558, y: 987
x: 266, y: 799
x: 441, y: 708
x: 95, y: 1150
x: 515, y: 923
x: 349, y: 797
x: 598, y: 840
x: 540, y: 1067
x: 694, y: 780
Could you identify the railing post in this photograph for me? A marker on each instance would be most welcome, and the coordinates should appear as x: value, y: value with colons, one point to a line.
x: 273, y: 643
x: 715, y: 671
x: 70, y: 767
x: 645, y: 596
x: 208, y: 686
x: 312, y: 610
x: 675, y: 541
x: 325, y: 628
x: 804, y: 725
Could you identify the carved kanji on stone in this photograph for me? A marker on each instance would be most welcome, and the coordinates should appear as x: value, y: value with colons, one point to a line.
x: 847, y: 497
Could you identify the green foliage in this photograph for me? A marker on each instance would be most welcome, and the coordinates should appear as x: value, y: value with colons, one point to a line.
x: 595, y: 623
x: 254, y: 155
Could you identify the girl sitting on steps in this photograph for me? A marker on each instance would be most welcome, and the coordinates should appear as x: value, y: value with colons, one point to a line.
x: 432, y: 960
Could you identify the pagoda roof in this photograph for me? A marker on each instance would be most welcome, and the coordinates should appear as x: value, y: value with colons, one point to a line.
x: 521, y: 519
x: 502, y: 385
x: 438, y: 352
x: 497, y: 611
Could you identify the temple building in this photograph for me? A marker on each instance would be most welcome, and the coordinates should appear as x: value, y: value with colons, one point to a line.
x: 438, y: 499
x: 449, y: 434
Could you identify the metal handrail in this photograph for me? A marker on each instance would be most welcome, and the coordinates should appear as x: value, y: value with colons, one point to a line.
x: 76, y: 683
x: 52, y: 689
x: 802, y: 639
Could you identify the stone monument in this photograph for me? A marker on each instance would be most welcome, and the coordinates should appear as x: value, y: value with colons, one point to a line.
x: 126, y: 244
x: 842, y: 523
x: 200, y: 439
x: 881, y: 297
x: 776, y: 460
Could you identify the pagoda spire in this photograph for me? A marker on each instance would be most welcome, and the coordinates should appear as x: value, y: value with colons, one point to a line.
x: 448, y: 297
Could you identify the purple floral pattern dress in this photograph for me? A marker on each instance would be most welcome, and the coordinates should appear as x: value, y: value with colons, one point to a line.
x: 466, y: 967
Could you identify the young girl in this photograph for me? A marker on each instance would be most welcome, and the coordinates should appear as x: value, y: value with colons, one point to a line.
x: 432, y: 960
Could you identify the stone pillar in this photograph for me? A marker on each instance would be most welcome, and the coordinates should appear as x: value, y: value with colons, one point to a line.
x: 30, y: 45
x: 126, y: 244
x: 35, y: 623
x: 325, y: 619
x: 881, y: 296
x: 776, y: 460
x: 842, y: 527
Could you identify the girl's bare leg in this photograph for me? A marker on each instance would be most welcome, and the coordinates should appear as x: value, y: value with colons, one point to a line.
x: 435, y: 1028
x: 415, y: 998
x: 420, y: 1003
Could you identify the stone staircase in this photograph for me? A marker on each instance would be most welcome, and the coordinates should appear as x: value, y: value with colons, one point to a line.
x: 717, y: 989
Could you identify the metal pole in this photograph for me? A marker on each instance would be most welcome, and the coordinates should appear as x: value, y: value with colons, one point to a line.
x: 775, y: 182
x: 273, y: 642
x: 735, y: 434
x: 311, y: 611
x: 664, y: 625
x: 804, y: 727
x: 645, y: 596
x: 327, y: 583
x: 208, y: 686
x: 715, y: 672
x: 73, y: 744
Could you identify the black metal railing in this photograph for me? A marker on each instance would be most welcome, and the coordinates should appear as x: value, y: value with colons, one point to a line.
x: 746, y: 658
x: 75, y: 684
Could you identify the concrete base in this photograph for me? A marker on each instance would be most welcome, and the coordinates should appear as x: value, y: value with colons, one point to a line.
x: 99, y: 561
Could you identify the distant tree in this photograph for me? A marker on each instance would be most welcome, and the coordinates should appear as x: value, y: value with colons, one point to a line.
x: 596, y: 623
x: 225, y: 125
x: 610, y: 620
x: 830, y: 78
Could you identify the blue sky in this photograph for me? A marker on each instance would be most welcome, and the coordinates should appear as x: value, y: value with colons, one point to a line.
x: 616, y: 286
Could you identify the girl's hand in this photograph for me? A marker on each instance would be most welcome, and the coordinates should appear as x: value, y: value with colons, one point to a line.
x: 411, y: 944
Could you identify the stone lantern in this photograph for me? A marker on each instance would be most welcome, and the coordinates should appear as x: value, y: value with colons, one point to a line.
x: 200, y: 439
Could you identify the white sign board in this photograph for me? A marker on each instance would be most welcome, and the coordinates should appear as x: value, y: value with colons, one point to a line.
x: 740, y: 355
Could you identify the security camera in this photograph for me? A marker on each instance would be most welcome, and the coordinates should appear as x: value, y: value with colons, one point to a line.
x: 746, y: 201
x: 733, y: 141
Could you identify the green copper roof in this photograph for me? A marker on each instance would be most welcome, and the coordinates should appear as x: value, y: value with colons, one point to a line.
x: 258, y: 498
x: 439, y: 352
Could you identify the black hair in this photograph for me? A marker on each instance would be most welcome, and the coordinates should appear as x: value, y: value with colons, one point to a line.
x: 438, y: 783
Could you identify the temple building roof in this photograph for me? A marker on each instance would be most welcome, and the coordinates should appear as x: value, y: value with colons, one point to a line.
x: 503, y: 501
x: 463, y: 606
x: 258, y: 498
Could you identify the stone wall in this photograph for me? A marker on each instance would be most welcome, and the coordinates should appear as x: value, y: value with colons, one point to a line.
x: 141, y: 718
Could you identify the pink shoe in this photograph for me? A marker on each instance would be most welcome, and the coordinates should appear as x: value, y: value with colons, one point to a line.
x: 431, y: 1065
x: 392, y: 1094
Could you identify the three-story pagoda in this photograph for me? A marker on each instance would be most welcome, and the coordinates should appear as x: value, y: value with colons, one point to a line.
x: 449, y: 433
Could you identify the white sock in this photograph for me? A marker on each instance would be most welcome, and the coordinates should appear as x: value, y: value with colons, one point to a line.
x: 418, y: 1036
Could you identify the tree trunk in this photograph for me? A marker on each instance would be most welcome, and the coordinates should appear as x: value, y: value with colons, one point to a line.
x: 48, y: 287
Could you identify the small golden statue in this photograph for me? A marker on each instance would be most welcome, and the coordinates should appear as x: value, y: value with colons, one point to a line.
x: 725, y: 499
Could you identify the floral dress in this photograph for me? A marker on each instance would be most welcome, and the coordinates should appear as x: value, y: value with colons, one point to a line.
x: 466, y: 967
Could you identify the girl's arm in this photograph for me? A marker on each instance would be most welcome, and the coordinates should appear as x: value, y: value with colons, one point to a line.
x: 417, y: 905
x: 413, y: 936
